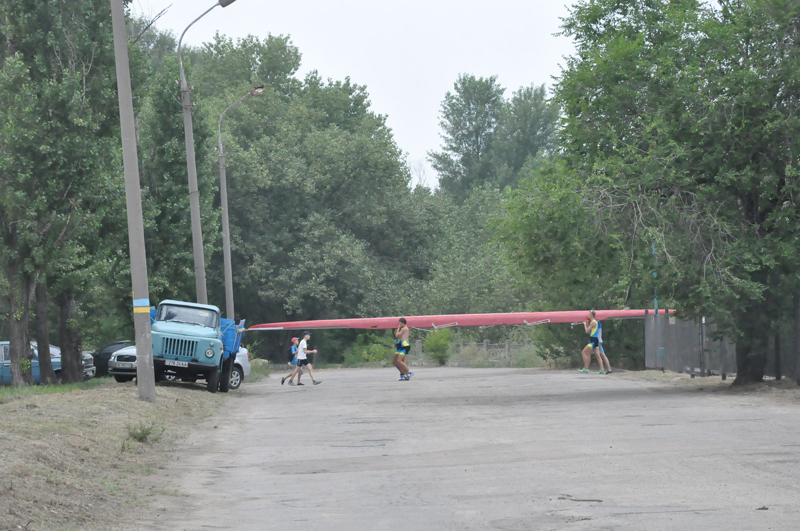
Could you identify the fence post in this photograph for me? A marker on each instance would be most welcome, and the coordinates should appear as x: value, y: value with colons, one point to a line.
x: 527, y: 343
x: 723, y: 350
x: 508, y: 348
x: 418, y: 347
x: 486, y: 346
x: 702, y: 347
x: 778, y: 371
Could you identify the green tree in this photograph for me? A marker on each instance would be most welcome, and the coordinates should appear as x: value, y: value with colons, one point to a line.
x: 468, y: 118
x: 526, y: 129
x: 58, y: 121
x: 679, y: 135
x: 323, y: 221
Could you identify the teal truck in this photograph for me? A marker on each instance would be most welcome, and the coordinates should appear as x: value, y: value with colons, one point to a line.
x: 193, y: 342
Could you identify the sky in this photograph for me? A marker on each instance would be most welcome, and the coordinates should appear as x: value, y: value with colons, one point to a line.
x: 408, y: 53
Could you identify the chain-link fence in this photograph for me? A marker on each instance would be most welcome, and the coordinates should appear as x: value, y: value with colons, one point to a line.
x: 688, y: 346
x: 486, y: 354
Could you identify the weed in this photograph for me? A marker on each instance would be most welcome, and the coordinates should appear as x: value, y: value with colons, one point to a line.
x: 259, y: 371
x: 143, y: 431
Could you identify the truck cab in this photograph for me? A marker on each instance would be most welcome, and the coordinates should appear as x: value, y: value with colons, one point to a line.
x: 193, y: 342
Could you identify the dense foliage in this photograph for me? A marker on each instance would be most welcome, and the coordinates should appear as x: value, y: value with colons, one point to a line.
x: 665, y: 163
x: 679, y: 147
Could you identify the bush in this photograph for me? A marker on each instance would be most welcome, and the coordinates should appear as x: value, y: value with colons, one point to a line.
x: 437, y: 345
x: 370, y: 348
x: 259, y: 369
x: 527, y: 358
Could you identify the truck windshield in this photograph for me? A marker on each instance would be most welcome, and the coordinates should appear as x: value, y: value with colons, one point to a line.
x: 183, y: 314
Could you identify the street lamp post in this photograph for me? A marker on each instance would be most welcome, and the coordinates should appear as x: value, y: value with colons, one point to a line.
x: 223, y: 192
x: 145, y: 377
x: 191, y: 165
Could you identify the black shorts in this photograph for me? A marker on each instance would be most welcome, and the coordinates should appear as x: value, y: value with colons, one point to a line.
x: 594, y: 342
x: 302, y: 363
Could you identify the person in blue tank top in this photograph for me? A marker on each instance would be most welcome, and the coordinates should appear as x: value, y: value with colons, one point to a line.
x: 592, y: 327
x: 600, y: 348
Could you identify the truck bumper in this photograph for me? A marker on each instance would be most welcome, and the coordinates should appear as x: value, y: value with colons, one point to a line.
x: 193, y: 370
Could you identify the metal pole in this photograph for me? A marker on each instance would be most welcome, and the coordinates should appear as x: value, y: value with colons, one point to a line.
x: 655, y: 310
x: 703, y: 364
x: 145, y: 376
x: 226, y: 231
x: 191, y: 167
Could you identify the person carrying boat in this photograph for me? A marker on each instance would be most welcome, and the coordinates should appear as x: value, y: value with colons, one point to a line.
x: 591, y: 327
x: 402, y: 348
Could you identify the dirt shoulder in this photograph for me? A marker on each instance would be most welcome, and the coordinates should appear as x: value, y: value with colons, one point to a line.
x: 71, y: 460
x: 785, y: 389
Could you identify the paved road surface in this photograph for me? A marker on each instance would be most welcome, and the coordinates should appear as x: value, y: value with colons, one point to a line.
x: 475, y: 449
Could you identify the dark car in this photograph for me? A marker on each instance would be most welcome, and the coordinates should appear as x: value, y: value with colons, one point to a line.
x: 102, y: 356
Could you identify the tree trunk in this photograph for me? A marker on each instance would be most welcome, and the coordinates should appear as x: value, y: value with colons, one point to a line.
x: 43, y: 332
x: 19, y: 309
x: 70, y: 341
x: 751, y: 353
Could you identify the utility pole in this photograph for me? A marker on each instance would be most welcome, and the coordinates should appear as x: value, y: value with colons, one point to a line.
x: 145, y: 375
x: 191, y: 166
x: 223, y: 194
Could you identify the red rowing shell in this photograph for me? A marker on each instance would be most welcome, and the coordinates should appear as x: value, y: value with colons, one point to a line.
x: 472, y: 319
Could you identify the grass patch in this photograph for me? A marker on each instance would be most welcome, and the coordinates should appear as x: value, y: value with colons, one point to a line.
x: 8, y: 392
x: 259, y: 369
x: 78, y: 450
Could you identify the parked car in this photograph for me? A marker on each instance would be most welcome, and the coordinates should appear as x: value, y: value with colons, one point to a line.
x: 102, y: 356
x: 88, y: 368
x: 5, y: 363
x: 122, y: 364
x: 241, y: 368
x: 55, y: 357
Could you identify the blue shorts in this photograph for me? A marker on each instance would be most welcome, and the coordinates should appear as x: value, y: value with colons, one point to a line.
x: 403, y: 348
x: 601, y: 349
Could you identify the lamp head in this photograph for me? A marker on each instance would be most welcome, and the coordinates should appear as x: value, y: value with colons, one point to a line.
x: 256, y: 91
x: 226, y: 3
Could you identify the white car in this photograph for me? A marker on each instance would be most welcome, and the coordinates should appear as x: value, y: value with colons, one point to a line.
x: 122, y: 366
x: 241, y: 368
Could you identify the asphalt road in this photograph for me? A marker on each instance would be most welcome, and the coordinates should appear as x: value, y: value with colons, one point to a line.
x: 468, y: 449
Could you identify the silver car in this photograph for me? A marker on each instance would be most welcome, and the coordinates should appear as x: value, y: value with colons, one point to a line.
x: 122, y: 364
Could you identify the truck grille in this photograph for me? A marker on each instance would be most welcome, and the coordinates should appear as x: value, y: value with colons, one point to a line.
x: 179, y: 347
x: 126, y: 357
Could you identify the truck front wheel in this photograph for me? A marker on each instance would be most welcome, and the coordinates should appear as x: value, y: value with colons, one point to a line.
x: 225, y: 377
x: 212, y: 382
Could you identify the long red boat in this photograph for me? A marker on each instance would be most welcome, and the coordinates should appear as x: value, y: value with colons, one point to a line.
x: 444, y: 321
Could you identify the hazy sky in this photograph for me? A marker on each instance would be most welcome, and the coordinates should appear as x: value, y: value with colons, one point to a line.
x: 408, y: 53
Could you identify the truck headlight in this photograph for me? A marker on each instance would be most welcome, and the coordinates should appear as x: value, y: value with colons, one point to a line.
x: 210, y: 353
